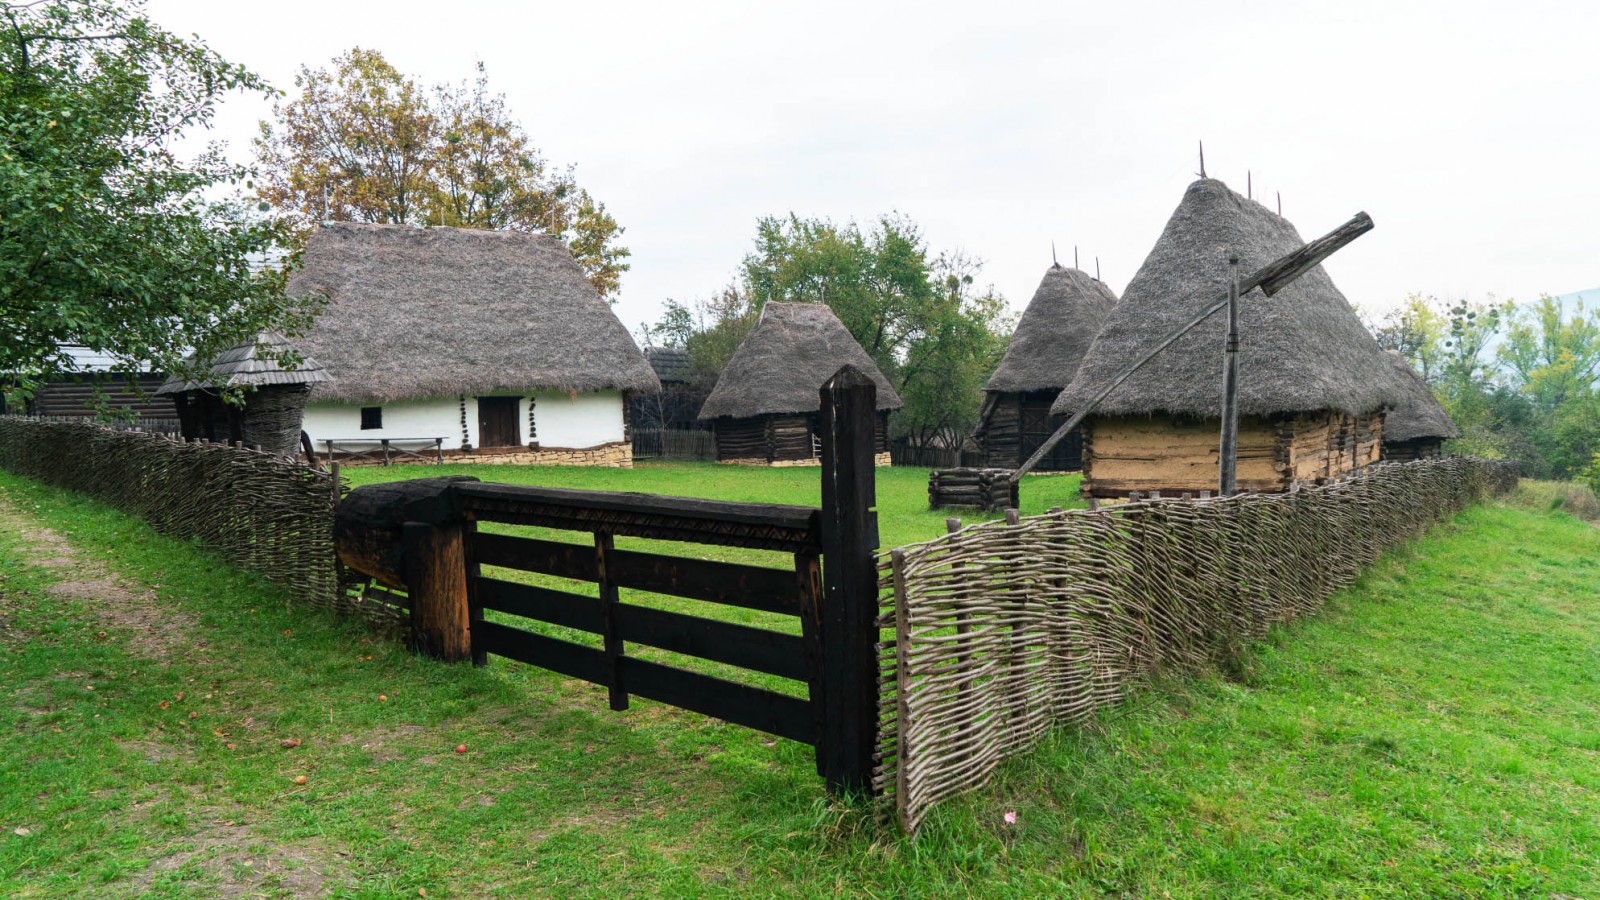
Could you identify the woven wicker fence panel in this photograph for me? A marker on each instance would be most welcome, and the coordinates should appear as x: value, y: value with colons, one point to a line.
x: 1005, y: 631
x: 260, y: 511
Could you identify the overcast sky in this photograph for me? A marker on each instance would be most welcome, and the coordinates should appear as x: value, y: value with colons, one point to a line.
x: 1469, y: 131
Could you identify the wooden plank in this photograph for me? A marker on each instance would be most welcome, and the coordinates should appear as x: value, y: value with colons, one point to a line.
x: 733, y: 584
x: 547, y: 605
x: 436, y: 581
x: 533, y: 555
x: 740, y: 704
x: 798, y: 518
x: 572, y: 660
x: 757, y: 649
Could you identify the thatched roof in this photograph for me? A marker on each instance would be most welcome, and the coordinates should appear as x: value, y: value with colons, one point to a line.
x: 244, y: 364
x: 1055, y: 331
x: 437, y: 312
x: 671, y: 364
x: 1302, y: 350
x: 1418, y: 416
x: 781, y: 366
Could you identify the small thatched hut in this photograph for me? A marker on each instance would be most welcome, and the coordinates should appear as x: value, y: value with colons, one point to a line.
x: 1313, y: 384
x: 491, y: 340
x: 1417, y: 426
x: 765, y: 405
x: 1051, y: 338
x: 274, y: 402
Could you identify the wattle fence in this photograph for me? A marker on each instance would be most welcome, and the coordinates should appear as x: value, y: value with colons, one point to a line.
x: 261, y: 512
x: 1003, y: 631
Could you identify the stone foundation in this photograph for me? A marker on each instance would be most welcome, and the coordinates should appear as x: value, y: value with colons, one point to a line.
x: 881, y: 459
x: 609, y: 456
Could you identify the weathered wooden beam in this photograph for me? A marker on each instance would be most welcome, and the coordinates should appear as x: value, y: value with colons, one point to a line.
x: 850, y: 581
x: 1228, y: 453
x: 1271, y: 278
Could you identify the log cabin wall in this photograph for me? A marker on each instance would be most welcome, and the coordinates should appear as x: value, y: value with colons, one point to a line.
x: 791, y: 438
x: 75, y: 396
x: 1138, y: 453
x: 1160, y: 453
x: 880, y: 433
x: 1018, y: 424
x: 1002, y: 434
x: 1408, y: 451
x: 742, y: 440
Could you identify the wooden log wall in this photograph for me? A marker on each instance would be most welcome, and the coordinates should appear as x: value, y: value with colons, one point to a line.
x: 1002, y: 433
x: 987, y: 489
x: 1161, y: 453
x: 791, y: 438
x: 74, y: 397
x: 742, y: 440
x: 1406, y: 451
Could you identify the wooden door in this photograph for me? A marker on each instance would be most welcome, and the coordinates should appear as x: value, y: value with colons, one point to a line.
x: 497, y: 422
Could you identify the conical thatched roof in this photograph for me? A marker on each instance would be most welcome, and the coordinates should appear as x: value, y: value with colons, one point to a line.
x: 1418, y: 415
x: 1055, y: 331
x: 1300, y: 351
x: 437, y: 312
x: 781, y: 366
x: 244, y: 364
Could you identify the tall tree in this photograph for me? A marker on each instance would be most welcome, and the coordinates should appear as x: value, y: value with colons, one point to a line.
x: 934, y: 334
x: 366, y: 143
x: 108, y: 239
x: 357, y: 145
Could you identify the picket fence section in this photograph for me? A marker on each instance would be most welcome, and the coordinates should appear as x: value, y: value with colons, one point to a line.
x: 1002, y: 631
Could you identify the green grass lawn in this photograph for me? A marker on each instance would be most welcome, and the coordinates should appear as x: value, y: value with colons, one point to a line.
x: 1435, y: 732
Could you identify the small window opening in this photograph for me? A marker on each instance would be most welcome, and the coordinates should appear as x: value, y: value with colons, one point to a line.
x: 371, y: 417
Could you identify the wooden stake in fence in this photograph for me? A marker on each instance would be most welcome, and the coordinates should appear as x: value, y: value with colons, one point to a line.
x: 849, y: 622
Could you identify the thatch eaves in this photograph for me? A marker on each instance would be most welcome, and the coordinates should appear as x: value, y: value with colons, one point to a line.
x: 1418, y: 416
x: 1054, y: 333
x: 439, y: 312
x: 783, y: 362
x: 245, y: 365
x: 1302, y: 350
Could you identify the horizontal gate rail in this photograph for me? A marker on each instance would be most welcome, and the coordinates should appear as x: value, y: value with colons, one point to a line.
x: 731, y: 584
x: 762, y: 526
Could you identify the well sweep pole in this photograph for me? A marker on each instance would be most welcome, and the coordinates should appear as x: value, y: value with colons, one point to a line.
x: 1228, y: 455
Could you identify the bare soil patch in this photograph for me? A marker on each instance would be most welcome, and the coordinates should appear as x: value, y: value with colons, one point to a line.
x: 147, y: 628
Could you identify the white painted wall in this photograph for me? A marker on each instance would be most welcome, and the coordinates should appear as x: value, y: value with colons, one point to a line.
x: 587, y: 420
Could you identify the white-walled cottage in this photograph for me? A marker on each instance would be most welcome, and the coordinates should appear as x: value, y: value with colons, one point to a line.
x: 492, y: 341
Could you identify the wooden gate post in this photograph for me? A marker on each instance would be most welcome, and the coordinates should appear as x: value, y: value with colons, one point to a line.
x: 849, y: 620
x: 412, y: 535
x: 436, y: 581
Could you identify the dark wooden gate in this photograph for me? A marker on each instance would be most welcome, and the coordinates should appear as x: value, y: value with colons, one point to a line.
x: 424, y: 537
x: 497, y: 422
x: 793, y: 592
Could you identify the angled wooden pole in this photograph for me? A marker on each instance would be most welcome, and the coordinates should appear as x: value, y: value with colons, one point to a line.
x: 1228, y: 455
x: 1271, y: 278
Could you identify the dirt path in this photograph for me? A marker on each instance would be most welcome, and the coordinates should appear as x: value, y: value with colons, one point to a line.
x: 241, y: 861
x: 133, y: 615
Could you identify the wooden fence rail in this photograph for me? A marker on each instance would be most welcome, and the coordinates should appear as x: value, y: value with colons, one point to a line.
x: 1006, y: 629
